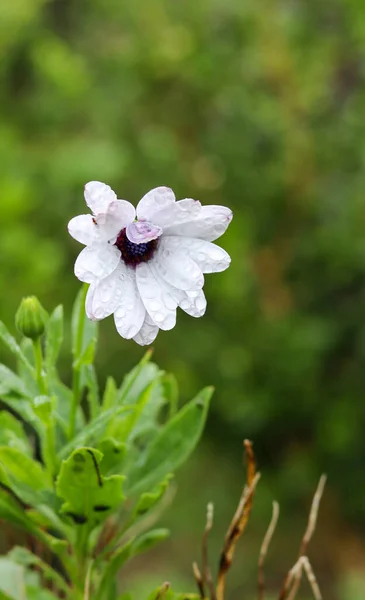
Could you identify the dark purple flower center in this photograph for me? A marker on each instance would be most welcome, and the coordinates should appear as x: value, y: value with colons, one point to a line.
x: 133, y: 254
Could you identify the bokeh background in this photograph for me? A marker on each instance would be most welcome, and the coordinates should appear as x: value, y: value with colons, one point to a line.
x: 258, y: 105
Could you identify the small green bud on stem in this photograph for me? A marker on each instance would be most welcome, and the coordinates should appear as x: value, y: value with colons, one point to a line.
x: 30, y: 318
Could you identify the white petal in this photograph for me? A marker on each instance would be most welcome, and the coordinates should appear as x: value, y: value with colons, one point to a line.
x: 130, y: 314
x: 83, y: 229
x: 193, y: 303
x: 160, y: 305
x: 141, y: 232
x: 148, y: 332
x: 177, y: 268
x: 209, y: 257
x: 96, y: 262
x: 88, y: 302
x: 119, y: 214
x: 98, y: 196
x: 177, y: 213
x: 209, y: 224
x: 106, y: 295
x: 154, y: 201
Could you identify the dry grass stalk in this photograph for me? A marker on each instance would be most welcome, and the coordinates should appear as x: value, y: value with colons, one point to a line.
x: 295, y: 575
x: 239, y: 520
x: 207, y: 575
x: 237, y: 526
x: 199, y: 580
x: 312, y: 521
x: 293, y: 579
x: 264, y: 548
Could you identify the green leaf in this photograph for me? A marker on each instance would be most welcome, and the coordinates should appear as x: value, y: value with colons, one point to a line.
x: 44, y: 407
x: 89, y: 497
x: 113, y: 455
x: 172, y: 446
x: 25, y: 476
x: 89, y: 380
x: 27, y: 378
x: 96, y: 429
x: 148, y: 540
x: 87, y: 356
x: 24, y: 557
x: 54, y: 337
x: 64, y: 398
x: 14, y: 513
x: 34, y: 587
x: 90, y: 328
x: 110, y: 394
x: 24, y: 409
x: 12, y: 433
x: 149, y: 499
x: 137, y: 380
x: 132, y: 548
x: 13, y: 346
x: 170, y: 391
x: 10, y: 382
x: 12, y: 582
x: 110, y: 571
x: 130, y: 427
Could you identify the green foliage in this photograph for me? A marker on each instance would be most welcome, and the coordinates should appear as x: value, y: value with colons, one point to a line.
x: 89, y: 496
x: 92, y: 481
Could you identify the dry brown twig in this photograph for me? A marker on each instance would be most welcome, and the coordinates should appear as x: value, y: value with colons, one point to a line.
x: 204, y: 579
x: 199, y: 580
x: 295, y: 574
x: 293, y: 579
x: 239, y: 521
x: 236, y: 528
x: 264, y: 548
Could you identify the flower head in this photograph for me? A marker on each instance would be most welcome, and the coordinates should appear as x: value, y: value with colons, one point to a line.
x: 30, y: 319
x: 142, y: 264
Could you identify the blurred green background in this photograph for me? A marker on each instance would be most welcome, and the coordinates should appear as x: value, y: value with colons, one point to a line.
x: 257, y: 105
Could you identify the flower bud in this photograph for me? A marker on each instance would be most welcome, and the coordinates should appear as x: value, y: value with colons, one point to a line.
x: 30, y: 318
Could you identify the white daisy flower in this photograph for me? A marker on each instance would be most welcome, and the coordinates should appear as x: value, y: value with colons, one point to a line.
x: 142, y: 264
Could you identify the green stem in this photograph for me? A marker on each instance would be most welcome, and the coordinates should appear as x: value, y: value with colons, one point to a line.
x: 38, y: 356
x: 50, y: 455
x: 77, y: 369
x: 81, y: 552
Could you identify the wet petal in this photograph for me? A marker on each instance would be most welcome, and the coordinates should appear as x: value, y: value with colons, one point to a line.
x: 155, y: 200
x: 98, y: 196
x: 148, y: 332
x: 83, y: 229
x: 141, y: 232
x: 160, y: 305
x: 209, y: 257
x: 96, y: 262
x: 130, y: 314
x: 191, y: 302
x: 177, y: 268
x: 209, y: 224
x: 106, y: 295
x: 177, y: 213
x: 119, y: 214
